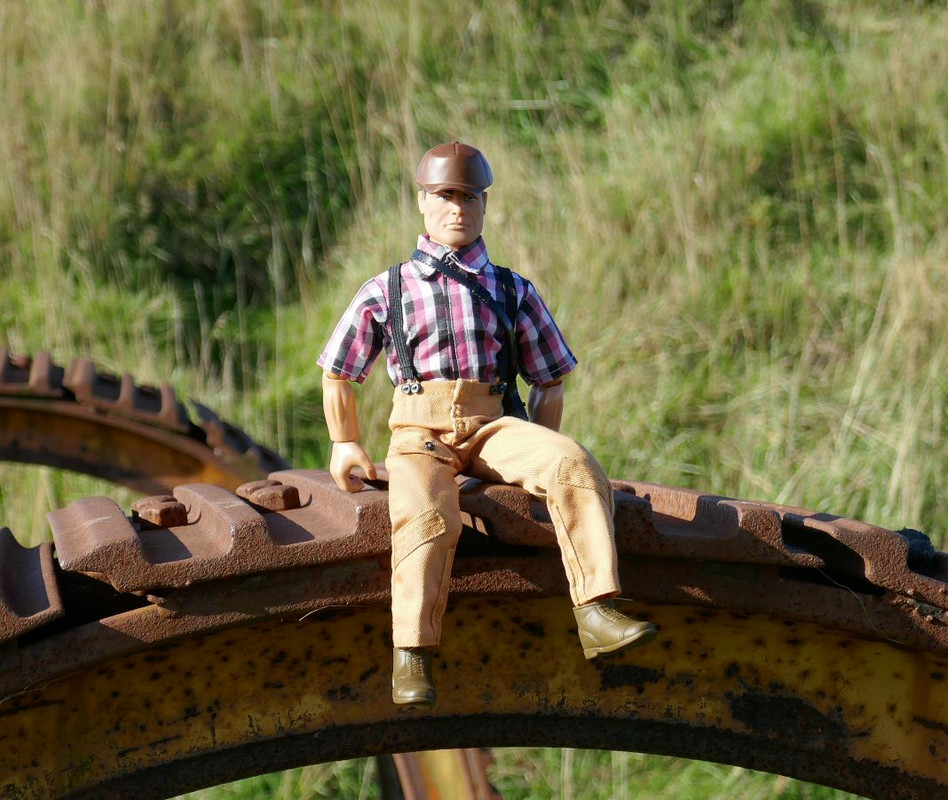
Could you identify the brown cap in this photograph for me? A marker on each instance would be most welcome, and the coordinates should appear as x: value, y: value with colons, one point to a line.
x: 454, y: 166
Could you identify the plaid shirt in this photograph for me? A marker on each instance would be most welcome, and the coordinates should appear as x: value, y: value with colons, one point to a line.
x: 451, y: 335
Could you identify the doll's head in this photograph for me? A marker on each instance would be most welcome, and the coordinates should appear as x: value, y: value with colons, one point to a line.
x: 453, y: 199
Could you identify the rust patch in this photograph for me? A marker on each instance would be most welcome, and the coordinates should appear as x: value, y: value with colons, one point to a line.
x: 618, y: 676
x: 932, y: 725
x: 768, y: 715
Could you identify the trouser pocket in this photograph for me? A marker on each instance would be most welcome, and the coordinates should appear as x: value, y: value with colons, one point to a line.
x: 409, y: 441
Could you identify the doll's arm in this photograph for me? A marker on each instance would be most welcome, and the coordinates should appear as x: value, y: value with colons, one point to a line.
x: 342, y: 419
x: 545, y: 404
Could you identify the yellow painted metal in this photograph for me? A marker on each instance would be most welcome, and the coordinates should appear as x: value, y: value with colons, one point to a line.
x: 716, y: 673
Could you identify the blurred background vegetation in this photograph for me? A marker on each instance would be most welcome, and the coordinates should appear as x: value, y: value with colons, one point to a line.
x: 737, y: 211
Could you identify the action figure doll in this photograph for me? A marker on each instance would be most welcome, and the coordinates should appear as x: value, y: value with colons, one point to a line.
x: 457, y: 329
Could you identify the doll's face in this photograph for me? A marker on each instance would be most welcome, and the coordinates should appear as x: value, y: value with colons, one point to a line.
x: 453, y: 217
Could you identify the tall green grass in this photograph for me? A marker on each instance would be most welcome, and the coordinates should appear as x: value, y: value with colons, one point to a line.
x: 550, y: 774
x: 737, y: 211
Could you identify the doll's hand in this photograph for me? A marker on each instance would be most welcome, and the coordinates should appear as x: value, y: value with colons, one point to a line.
x: 345, y: 456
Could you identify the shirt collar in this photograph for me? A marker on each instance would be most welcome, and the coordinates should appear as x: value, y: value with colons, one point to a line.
x: 472, y: 257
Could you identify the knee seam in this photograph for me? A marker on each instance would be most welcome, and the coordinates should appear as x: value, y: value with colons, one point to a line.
x: 426, y: 527
x: 582, y: 473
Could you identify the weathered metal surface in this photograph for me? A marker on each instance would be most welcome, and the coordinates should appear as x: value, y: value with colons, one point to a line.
x: 705, y: 549
x: 225, y: 535
x: 789, y: 641
x: 852, y: 549
x: 793, y: 697
x: 83, y: 419
x: 120, y: 394
x: 29, y: 594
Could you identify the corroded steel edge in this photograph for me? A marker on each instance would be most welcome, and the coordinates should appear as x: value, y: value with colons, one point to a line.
x: 29, y: 594
x: 53, y: 414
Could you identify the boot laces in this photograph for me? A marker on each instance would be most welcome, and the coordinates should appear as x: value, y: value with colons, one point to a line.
x: 416, y: 663
x: 614, y: 615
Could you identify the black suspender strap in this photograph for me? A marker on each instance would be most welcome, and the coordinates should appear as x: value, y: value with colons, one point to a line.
x: 406, y: 361
x: 465, y: 279
x: 512, y: 402
x: 506, y: 314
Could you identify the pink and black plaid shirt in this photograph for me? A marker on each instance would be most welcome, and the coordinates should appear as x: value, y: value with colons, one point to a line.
x: 452, y: 337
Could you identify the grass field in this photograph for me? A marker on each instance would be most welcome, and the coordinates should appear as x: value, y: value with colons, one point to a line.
x: 550, y: 774
x: 737, y: 211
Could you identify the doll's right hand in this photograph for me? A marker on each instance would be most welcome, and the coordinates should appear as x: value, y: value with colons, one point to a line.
x: 345, y: 456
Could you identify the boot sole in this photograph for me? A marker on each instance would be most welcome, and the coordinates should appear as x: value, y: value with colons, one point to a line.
x: 643, y: 637
x: 425, y: 700
x: 420, y: 702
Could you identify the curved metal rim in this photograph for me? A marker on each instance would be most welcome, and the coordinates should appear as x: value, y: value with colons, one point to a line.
x: 212, y: 707
x: 122, y: 451
x: 398, y: 736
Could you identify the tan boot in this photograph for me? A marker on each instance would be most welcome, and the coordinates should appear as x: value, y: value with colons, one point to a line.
x: 602, y: 629
x: 411, y: 677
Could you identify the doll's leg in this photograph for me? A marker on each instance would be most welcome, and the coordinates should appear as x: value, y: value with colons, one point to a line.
x: 578, y: 493
x: 426, y: 524
x: 580, y: 499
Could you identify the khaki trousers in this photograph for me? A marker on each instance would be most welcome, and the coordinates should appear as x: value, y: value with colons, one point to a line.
x: 452, y: 427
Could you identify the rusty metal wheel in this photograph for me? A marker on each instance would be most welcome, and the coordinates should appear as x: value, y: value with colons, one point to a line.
x: 252, y: 635
x: 83, y: 419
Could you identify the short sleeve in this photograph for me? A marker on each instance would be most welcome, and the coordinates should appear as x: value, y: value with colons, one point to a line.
x: 359, y: 336
x: 544, y: 354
